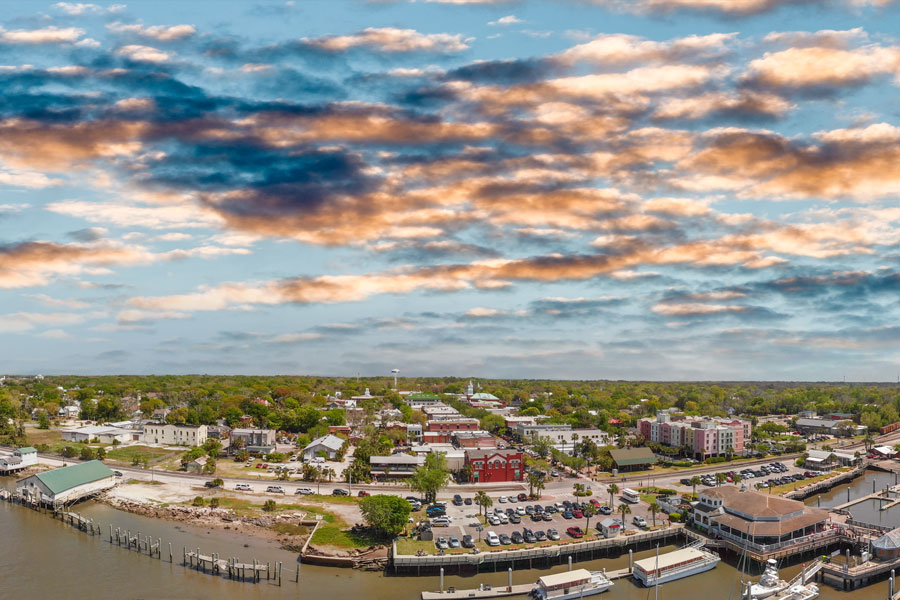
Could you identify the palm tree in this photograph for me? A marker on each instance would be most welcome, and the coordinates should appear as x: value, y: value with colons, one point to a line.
x: 695, y: 481
x: 654, y: 508
x: 538, y: 486
x: 868, y: 442
x: 484, y: 502
x: 613, y: 489
x: 533, y: 481
x: 589, y: 511
x: 329, y: 472
x: 624, y: 509
x: 721, y: 478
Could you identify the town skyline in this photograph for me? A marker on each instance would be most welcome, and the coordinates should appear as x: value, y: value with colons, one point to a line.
x: 660, y: 190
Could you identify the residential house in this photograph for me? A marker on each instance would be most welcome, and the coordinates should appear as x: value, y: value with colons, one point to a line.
x: 329, y: 445
x: 20, y: 459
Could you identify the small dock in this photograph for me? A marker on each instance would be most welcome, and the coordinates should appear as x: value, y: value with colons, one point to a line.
x: 235, y: 570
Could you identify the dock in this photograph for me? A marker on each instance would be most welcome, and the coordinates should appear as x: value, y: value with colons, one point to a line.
x: 488, y: 591
x: 844, y: 576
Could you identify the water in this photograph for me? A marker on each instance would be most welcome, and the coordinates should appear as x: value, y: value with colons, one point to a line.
x: 40, y: 557
x: 868, y: 511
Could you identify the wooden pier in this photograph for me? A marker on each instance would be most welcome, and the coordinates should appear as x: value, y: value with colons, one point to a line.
x: 844, y: 576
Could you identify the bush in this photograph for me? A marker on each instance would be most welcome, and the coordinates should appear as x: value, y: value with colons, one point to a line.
x: 682, y: 463
x: 275, y: 457
x: 214, y: 503
x: 675, y: 517
x: 69, y: 452
x: 270, y: 506
x: 198, y: 501
x: 665, y: 492
x: 714, y: 459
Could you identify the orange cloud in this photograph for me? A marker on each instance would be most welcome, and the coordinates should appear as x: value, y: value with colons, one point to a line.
x: 391, y: 40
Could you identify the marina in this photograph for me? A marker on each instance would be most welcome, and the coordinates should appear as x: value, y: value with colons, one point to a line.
x: 681, y: 563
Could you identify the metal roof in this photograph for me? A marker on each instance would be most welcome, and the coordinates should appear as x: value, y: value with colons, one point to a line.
x: 632, y: 456
x: 670, y: 558
x: 888, y: 541
x: 66, y: 478
x: 27, y: 450
x: 576, y: 575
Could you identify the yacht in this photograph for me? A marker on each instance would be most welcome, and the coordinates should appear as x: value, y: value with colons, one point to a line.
x: 809, y: 591
x: 570, y: 585
x: 769, y: 583
x: 674, y: 565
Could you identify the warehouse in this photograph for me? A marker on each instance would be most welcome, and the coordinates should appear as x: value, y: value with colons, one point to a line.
x: 67, y: 484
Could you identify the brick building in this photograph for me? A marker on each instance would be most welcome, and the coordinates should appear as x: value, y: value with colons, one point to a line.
x: 495, y: 465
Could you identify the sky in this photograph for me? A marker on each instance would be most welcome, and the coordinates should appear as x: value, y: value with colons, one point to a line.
x: 575, y: 189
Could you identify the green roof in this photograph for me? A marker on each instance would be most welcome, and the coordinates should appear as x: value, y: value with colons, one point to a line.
x: 66, y: 478
x: 632, y: 456
x: 423, y: 396
x: 26, y: 450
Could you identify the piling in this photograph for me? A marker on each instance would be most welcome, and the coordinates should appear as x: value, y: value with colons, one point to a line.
x: 630, y: 560
x: 509, y: 586
x: 570, y: 562
x: 442, y: 580
x: 298, y: 570
x: 170, y: 551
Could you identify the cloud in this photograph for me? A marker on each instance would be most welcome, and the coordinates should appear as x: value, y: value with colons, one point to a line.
x: 159, y: 33
x: 725, y: 8
x: 36, y: 263
x: 46, y: 35
x: 616, y: 49
x: 507, y: 20
x: 70, y: 303
x: 390, y: 40
x: 54, y: 334
x: 81, y: 8
x: 179, y: 216
x: 24, y: 321
x: 144, y: 53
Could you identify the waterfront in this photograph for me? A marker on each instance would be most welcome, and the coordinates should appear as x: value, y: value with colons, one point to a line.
x: 868, y: 511
x: 85, y: 566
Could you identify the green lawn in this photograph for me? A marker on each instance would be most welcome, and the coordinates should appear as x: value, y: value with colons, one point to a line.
x: 129, y: 453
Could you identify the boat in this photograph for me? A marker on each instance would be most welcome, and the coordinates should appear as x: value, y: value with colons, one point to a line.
x: 769, y: 583
x: 809, y: 591
x: 571, y: 585
x: 683, y: 562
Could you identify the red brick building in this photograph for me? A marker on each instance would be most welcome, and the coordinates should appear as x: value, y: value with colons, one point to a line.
x: 451, y: 425
x: 474, y: 439
x: 495, y: 465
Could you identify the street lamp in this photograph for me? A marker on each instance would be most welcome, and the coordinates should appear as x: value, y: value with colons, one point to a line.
x: 479, y: 529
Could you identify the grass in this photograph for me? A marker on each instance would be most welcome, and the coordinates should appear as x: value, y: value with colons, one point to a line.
x: 130, y: 453
x: 43, y: 436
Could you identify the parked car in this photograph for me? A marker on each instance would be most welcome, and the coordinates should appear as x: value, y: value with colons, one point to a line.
x: 505, y: 539
x: 639, y: 521
x: 441, y: 543
x: 529, y: 536
x: 363, y: 493
x: 454, y: 541
x: 304, y: 491
x: 552, y: 534
x: 517, y: 538
x: 541, y: 535
x: 118, y: 473
x: 434, y: 511
x: 339, y: 492
x: 502, y: 499
x: 510, y: 498
x: 522, y: 497
x: 575, y: 532
x: 243, y: 487
x: 275, y: 489
x: 441, y: 522
x: 457, y: 500
x: 468, y: 502
x: 211, y: 484
x: 567, y: 514
x: 492, y: 539
x: 468, y: 541
x: 604, y: 510
x: 515, y: 519
x: 577, y: 514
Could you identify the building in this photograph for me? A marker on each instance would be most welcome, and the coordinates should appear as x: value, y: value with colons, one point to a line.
x: 474, y: 439
x: 198, y: 465
x: 835, y: 427
x: 632, y: 459
x: 699, y: 436
x: 441, y: 411
x: 755, y: 520
x: 887, y: 547
x: 610, y: 527
x: 563, y: 437
x: 453, y: 424
x: 69, y: 412
x: 18, y: 460
x: 495, y: 465
x: 67, y: 484
x: 102, y: 434
x: 395, y: 465
x: 175, y: 435
x: 823, y: 460
x: 255, y: 441
x: 420, y: 399
x: 329, y: 445
x: 455, y: 457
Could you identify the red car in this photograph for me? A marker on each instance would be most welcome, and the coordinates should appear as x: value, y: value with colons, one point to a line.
x: 575, y: 532
x: 363, y: 494
x: 595, y: 502
x: 577, y: 514
x: 259, y: 466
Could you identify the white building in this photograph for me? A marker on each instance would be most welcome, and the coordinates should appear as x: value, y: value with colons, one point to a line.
x: 102, y: 434
x: 329, y: 444
x: 175, y: 435
x: 18, y: 460
x: 67, y: 484
x: 563, y: 437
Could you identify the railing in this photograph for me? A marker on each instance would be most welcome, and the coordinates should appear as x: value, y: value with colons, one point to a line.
x: 807, y: 539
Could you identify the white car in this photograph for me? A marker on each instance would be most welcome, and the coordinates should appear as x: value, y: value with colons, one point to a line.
x: 275, y: 489
x: 441, y: 522
x: 504, y: 518
x: 304, y: 491
x: 494, y: 520
x: 492, y: 539
x: 502, y: 499
x: 243, y: 487
x: 639, y: 521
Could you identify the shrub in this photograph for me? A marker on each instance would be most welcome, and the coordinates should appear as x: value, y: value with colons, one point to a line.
x: 270, y: 506
x: 665, y: 492
x: 714, y: 459
x: 675, y: 517
x: 214, y: 503
x: 198, y: 501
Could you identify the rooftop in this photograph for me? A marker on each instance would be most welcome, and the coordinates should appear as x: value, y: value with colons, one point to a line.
x: 632, y: 456
x: 66, y: 478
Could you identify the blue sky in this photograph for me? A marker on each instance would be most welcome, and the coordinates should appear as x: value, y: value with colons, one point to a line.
x: 640, y: 189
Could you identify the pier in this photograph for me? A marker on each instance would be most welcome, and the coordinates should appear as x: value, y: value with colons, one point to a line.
x: 843, y: 575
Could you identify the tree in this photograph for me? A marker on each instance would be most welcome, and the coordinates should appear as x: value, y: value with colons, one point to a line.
x: 541, y: 445
x: 695, y: 481
x: 539, y: 486
x: 43, y: 420
x: 101, y: 453
x: 589, y: 511
x: 624, y: 509
x: 87, y: 453
x: 270, y: 506
x: 654, y: 508
x: 721, y: 478
x: 613, y: 489
x: 386, y: 514
x: 483, y: 501
x: 242, y: 456
x: 429, y: 478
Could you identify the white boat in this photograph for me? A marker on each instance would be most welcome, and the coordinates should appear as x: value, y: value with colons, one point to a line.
x: 810, y: 591
x: 674, y: 565
x: 571, y: 585
x: 769, y: 583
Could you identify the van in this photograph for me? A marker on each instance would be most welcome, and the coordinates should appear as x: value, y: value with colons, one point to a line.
x: 492, y: 539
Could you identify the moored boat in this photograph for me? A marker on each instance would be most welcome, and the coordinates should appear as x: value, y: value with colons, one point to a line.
x: 769, y: 583
x: 570, y: 585
x: 809, y: 591
x: 674, y: 565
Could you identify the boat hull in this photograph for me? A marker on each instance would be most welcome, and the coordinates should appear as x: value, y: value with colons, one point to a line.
x: 700, y: 568
x: 578, y: 592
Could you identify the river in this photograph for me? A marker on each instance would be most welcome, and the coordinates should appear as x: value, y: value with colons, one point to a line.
x: 40, y: 557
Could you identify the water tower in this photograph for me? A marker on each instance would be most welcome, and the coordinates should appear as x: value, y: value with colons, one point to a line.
x: 395, y: 372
